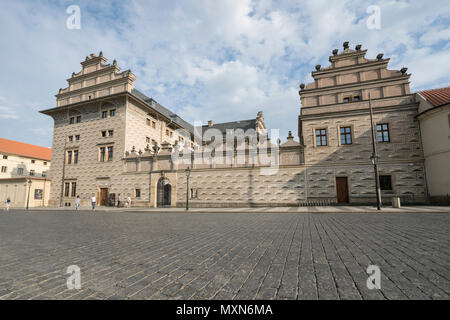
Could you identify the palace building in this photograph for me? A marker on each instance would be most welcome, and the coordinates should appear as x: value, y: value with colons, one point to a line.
x: 111, y: 139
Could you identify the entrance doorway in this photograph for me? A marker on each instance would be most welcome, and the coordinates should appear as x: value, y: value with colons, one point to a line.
x: 104, y: 194
x: 342, y: 190
x: 164, y: 193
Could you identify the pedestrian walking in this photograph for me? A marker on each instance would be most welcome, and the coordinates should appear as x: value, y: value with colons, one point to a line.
x: 118, y: 200
x: 128, y: 202
x: 77, y: 202
x: 7, y: 204
x: 93, y: 201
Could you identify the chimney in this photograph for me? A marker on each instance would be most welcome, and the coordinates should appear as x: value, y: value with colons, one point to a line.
x: 210, y: 123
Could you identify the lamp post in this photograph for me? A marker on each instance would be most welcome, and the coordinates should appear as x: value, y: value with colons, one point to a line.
x: 188, y: 173
x: 29, y: 182
x: 374, y: 158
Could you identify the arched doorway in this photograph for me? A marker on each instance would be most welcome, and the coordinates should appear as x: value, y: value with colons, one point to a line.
x: 164, y: 192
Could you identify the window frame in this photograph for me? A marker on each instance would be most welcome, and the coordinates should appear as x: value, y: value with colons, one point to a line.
x: 383, y: 131
x: 110, y: 153
x: 4, y: 169
x: 345, y: 135
x: 73, y: 190
x: 320, y: 136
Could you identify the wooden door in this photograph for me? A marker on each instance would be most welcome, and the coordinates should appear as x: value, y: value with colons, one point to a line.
x: 342, y: 189
x: 104, y: 197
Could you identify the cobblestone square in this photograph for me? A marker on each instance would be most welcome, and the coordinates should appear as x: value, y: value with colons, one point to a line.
x: 160, y: 255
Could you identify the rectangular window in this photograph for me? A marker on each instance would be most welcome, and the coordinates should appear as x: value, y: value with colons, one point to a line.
x: 74, y: 189
x: 5, y: 157
x: 153, y: 124
x: 32, y: 173
x: 103, y: 133
x: 321, y: 137
x: 70, y: 138
x: 69, y: 157
x: 138, y: 193
x: 78, y: 119
x: 110, y: 153
x: 44, y: 174
x: 112, y: 113
x: 147, y: 122
x: 66, y: 189
x: 346, y: 99
x: 356, y: 98
x: 102, y: 154
x: 71, y: 120
x: 33, y: 161
x: 111, y: 133
x: 20, y: 171
x: 346, y: 135
x: 105, y: 114
x: 383, y: 132
x: 75, y: 156
x: 4, y: 168
x: 38, y: 194
x: 385, y: 183
x: 77, y: 137
x: 167, y: 132
x: 147, y: 140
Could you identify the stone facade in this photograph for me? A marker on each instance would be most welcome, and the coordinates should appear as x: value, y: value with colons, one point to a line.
x: 335, y: 107
x: 145, y: 139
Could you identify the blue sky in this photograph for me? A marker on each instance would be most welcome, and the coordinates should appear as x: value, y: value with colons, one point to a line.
x: 223, y: 60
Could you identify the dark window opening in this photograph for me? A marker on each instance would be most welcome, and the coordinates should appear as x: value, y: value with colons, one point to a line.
x: 346, y: 135
x: 110, y: 153
x: 321, y: 137
x: 74, y: 189
x: 383, y: 132
x: 102, y: 154
x: 386, y: 183
x: 66, y: 189
x: 69, y: 157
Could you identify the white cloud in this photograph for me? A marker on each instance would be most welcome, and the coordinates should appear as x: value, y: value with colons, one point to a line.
x: 221, y: 60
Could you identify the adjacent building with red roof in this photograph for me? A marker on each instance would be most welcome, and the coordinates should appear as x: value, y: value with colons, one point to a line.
x: 24, y: 172
x: 434, y: 119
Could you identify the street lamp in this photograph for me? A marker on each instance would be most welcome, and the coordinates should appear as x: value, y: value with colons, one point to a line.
x: 188, y: 173
x: 374, y: 159
x: 29, y: 188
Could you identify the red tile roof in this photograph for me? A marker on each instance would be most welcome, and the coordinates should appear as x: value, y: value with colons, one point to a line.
x: 25, y: 149
x: 437, y: 97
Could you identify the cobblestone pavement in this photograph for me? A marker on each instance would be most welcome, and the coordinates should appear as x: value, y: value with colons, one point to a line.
x: 126, y: 255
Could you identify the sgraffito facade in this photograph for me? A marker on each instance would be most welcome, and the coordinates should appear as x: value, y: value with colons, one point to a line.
x: 128, y: 144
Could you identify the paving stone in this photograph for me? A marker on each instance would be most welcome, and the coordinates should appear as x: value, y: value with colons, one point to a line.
x: 291, y: 255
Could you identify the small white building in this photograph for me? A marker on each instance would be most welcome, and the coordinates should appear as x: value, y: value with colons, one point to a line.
x: 24, y: 174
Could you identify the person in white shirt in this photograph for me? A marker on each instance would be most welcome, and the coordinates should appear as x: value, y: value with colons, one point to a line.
x: 77, y: 202
x: 93, y: 201
x: 7, y: 204
x: 129, y: 202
